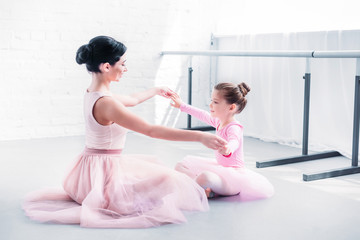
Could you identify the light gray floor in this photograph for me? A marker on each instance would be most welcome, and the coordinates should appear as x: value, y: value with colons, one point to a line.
x: 323, y: 209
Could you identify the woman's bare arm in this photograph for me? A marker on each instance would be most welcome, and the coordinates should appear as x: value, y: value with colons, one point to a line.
x: 139, y: 97
x: 108, y: 110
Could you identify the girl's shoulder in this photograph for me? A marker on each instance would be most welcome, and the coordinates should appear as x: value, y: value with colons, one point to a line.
x: 234, y: 126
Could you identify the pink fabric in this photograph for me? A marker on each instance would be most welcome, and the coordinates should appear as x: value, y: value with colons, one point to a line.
x: 245, y: 183
x: 240, y: 181
x: 107, y: 189
x: 98, y: 136
x: 102, y: 151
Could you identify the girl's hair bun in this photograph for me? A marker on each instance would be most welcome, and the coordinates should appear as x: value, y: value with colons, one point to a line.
x: 244, y: 88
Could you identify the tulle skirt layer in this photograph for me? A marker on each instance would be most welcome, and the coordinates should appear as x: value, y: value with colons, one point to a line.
x: 112, y: 190
x: 245, y: 183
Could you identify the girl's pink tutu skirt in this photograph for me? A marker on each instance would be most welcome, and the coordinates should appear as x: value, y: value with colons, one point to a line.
x: 246, y: 184
x: 106, y: 189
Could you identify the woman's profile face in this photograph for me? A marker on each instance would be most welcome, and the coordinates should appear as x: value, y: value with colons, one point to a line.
x: 119, y: 68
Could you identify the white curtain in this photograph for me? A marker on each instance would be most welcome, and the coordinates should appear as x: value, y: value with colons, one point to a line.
x: 275, y: 103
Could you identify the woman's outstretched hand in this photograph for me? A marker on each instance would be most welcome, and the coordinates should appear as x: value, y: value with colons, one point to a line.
x: 212, y: 141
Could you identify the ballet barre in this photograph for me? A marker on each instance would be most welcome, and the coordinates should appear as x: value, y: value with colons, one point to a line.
x: 354, y: 168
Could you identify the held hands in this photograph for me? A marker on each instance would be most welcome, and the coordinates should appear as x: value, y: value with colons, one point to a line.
x: 212, y: 141
x: 225, y: 150
x: 164, y: 92
x: 168, y: 93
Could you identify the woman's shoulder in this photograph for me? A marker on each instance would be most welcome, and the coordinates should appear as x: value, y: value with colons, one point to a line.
x: 106, y: 108
x: 106, y: 100
x: 95, y: 94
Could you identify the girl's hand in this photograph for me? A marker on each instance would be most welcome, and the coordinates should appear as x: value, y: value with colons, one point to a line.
x: 224, y: 150
x: 212, y: 141
x: 176, y: 100
x: 164, y: 92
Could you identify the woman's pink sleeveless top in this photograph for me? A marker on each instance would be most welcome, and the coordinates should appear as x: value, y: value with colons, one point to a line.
x: 99, y: 136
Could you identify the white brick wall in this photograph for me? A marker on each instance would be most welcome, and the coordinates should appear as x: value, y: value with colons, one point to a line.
x: 42, y: 86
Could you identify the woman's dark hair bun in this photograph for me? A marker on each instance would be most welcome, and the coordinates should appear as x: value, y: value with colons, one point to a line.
x: 244, y: 88
x: 83, y: 54
x: 100, y: 49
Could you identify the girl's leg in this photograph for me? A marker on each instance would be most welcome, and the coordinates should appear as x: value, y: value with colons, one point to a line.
x: 212, y: 181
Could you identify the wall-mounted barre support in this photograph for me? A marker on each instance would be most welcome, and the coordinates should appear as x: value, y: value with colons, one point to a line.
x: 190, y: 70
x: 354, y: 168
x: 305, y: 156
x: 305, y: 142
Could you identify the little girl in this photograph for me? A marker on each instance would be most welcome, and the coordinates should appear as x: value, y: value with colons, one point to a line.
x: 227, y: 175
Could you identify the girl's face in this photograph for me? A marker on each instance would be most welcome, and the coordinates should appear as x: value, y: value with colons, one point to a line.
x: 118, y: 69
x: 219, y: 107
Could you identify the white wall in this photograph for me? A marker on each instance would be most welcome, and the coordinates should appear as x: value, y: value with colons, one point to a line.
x: 42, y: 86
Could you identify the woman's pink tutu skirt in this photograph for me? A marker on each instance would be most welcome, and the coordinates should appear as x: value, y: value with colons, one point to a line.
x: 106, y: 189
x: 246, y: 184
